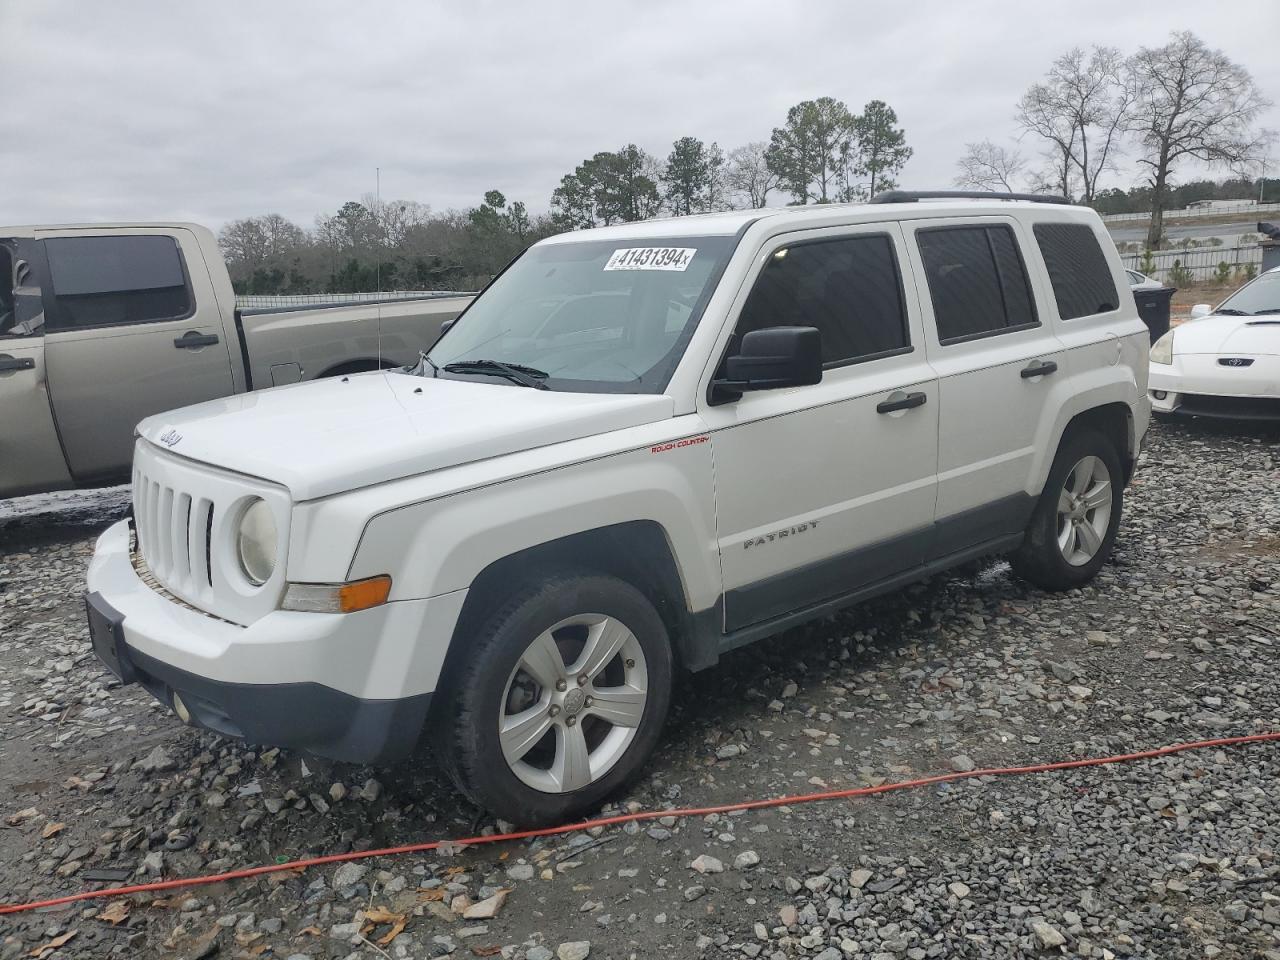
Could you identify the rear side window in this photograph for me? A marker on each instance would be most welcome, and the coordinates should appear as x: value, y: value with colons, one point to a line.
x: 1078, y: 270
x: 106, y: 281
x: 849, y: 288
x: 977, y: 281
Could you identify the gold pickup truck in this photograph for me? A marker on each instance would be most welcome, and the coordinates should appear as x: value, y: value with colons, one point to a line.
x: 103, y: 325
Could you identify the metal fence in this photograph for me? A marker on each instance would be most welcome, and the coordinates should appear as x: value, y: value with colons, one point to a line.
x: 250, y: 301
x: 1176, y: 267
x: 1241, y: 207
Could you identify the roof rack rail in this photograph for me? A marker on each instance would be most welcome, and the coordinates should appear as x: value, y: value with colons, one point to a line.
x: 911, y: 196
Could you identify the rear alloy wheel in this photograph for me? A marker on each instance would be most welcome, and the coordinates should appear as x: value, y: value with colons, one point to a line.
x: 1073, y: 527
x: 1084, y: 511
x: 559, y: 701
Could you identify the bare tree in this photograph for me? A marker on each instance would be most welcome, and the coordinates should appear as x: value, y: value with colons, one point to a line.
x: 1192, y: 102
x: 268, y: 242
x: 1037, y: 116
x: 1081, y: 109
x: 987, y: 166
x: 396, y: 217
x: 748, y: 174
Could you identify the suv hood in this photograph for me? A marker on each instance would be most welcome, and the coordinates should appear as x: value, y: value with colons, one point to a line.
x: 329, y: 436
x: 1245, y: 336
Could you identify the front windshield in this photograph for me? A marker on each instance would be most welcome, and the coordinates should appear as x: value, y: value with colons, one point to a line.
x: 593, y: 316
x: 1260, y: 296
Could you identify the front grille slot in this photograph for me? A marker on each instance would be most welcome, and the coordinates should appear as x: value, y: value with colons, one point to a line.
x: 174, y: 534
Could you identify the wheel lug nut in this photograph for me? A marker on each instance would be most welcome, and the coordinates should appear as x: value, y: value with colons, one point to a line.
x: 555, y: 710
x: 571, y: 721
x: 591, y: 701
x: 561, y: 686
x: 582, y: 679
x: 631, y: 663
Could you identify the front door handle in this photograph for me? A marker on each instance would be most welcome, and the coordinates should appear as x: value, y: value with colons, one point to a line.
x: 906, y: 402
x: 17, y: 363
x: 1038, y: 368
x: 190, y: 341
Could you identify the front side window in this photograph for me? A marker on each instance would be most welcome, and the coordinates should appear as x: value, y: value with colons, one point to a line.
x: 849, y: 288
x: 977, y: 281
x: 589, y: 316
x: 1078, y: 270
x: 106, y: 281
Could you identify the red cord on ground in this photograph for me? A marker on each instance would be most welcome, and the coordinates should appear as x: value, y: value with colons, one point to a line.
x: 644, y: 815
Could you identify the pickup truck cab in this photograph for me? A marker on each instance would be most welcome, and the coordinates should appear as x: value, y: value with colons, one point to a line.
x: 102, y: 326
x: 640, y: 447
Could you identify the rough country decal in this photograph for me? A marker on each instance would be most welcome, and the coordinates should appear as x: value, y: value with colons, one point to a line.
x: 677, y: 444
x: 170, y: 438
x: 768, y: 538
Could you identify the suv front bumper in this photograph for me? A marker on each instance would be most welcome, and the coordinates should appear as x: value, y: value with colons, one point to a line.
x: 353, y: 687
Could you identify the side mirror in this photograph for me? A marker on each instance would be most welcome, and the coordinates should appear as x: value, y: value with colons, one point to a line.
x: 1201, y: 310
x: 444, y: 327
x: 770, y: 359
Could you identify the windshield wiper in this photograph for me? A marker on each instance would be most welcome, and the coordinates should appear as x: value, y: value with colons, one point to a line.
x: 515, y: 372
x: 1258, y: 313
x: 1232, y: 312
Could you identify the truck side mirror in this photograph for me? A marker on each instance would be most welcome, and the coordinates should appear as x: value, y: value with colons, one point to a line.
x: 771, y: 359
x: 1201, y: 310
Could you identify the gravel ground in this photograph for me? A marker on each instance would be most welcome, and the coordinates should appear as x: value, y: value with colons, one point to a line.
x: 1179, y: 639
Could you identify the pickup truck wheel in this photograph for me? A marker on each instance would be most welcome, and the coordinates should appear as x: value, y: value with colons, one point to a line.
x: 560, y: 701
x: 1074, y: 524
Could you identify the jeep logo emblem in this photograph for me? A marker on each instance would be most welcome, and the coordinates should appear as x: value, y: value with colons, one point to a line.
x: 170, y: 437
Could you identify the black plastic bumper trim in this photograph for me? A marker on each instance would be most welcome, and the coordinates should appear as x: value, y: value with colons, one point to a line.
x: 302, y: 716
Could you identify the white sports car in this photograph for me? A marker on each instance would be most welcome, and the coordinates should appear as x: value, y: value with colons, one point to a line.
x: 1224, y: 362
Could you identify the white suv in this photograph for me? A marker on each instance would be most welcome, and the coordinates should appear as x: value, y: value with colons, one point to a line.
x: 640, y: 447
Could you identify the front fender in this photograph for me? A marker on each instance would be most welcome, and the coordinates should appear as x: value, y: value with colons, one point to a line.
x: 442, y: 545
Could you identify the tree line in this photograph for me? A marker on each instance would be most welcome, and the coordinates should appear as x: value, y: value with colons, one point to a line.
x: 822, y: 153
x: 1162, y: 106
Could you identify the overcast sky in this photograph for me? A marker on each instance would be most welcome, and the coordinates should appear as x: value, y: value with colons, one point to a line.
x: 213, y: 110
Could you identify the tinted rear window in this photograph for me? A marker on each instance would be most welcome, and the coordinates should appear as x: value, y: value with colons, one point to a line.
x: 105, y: 281
x: 1078, y: 270
x: 977, y: 282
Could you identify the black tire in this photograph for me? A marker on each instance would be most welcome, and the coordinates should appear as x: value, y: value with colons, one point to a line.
x: 464, y: 724
x: 1040, y: 560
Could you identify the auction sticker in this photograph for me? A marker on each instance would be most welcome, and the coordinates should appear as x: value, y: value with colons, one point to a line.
x: 651, y: 258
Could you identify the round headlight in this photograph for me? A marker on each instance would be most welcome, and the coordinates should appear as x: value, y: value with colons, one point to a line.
x: 256, y: 542
x: 1162, y: 349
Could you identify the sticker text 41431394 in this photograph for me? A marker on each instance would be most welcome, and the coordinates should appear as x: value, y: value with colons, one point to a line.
x: 651, y: 258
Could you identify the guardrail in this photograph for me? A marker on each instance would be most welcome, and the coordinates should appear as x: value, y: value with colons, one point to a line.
x: 254, y: 301
x: 1178, y: 267
x: 1192, y: 212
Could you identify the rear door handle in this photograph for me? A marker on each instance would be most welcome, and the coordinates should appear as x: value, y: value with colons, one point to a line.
x: 1038, y: 368
x: 902, y: 403
x: 190, y: 341
x: 17, y: 363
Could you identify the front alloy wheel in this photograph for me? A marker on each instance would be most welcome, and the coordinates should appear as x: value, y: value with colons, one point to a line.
x: 573, y: 703
x: 555, y: 699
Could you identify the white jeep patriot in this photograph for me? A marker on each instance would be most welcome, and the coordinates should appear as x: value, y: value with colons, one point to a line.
x: 640, y: 447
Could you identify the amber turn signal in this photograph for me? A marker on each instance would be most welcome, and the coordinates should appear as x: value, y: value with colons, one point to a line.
x: 337, y: 597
